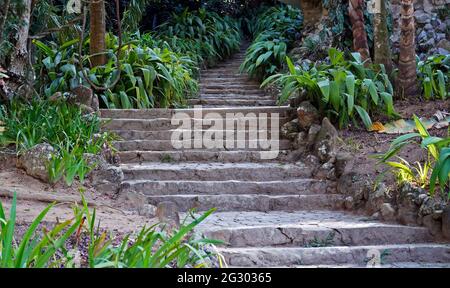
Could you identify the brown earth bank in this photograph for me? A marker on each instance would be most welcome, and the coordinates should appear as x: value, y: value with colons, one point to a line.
x: 33, y: 196
x: 362, y: 144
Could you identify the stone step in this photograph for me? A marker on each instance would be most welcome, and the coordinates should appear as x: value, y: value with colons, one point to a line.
x: 228, y: 81
x: 167, y: 145
x: 193, y: 155
x: 335, y: 255
x: 225, y: 75
x: 231, y: 102
x: 225, y: 71
x: 306, y: 229
x: 391, y: 265
x: 251, y: 202
x: 293, y: 186
x: 167, y: 134
x: 235, y: 97
x: 215, y: 171
x: 232, y: 91
x: 242, y: 79
x: 223, y: 67
x: 159, y: 124
x: 244, y: 86
x: 168, y: 113
x: 238, y: 77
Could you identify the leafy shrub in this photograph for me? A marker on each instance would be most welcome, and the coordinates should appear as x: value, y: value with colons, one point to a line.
x: 434, y: 75
x: 57, y: 66
x: 265, y: 56
x: 34, y: 250
x: 274, y: 31
x: 436, y: 168
x: 151, y: 247
x: 188, y: 49
x: 210, y: 35
x: 151, y: 77
x: 283, y: 19
x: 340, y: 87
x: 63, y: 126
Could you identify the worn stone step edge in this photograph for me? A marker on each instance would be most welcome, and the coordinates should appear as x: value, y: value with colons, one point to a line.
x: 336, y: 255
x: 185, y: 144
x: 197, y: 156
x: 338, y: 233
x: 215, y: 171
x: 169, y: 187
x: 167, y: 134
x: 249, y: 202
x: 231, y: 102
x: 166, y: 124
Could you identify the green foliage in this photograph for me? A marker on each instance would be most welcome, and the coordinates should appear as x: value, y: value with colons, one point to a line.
x: 33, y: 250
x: 133, y: 15
x: 435, y: 170
x: 275, y: 30
x: 151, y: 77
x: 210, y: 35
x: 283, y: 19
x: 57, y: 66
x: 434, y: 74
x: 265, y: 56
x: 63, y: 126
x: 342, y: 88
x: 150, y: 248
x: 411, y: 173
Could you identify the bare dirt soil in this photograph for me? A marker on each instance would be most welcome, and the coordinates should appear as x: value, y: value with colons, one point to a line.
x: 363, y: 144
x: 33, y: 196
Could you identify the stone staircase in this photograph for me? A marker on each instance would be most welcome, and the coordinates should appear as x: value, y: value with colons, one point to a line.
x: 269, y: 212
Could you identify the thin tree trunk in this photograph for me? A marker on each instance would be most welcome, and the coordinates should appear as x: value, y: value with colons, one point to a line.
x: 97, y: 32
x: 382, y: 50
x: 19, y: 57
x: 5, y: 17
x: 407, y: 76
x: 19, y: 71
x: 356, y: 15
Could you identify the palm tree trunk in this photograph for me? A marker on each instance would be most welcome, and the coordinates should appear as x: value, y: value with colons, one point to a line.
x: 407, y: 76
x: 356, y: 15
x: 97, y: 44
x: 382, y: 50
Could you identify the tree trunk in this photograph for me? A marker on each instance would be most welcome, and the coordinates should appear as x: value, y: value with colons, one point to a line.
x: 407, y: 76
x: 19, y: 69
x: 360, y: 44
x: 19, y: 57
x: 5, y: 17
x: 97, y: 44
x: 382, y: 50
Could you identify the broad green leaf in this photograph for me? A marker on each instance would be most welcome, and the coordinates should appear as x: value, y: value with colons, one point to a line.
x: 324, y: 87
x: 364, y: 116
